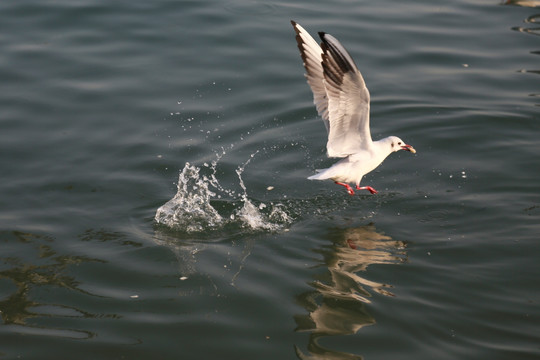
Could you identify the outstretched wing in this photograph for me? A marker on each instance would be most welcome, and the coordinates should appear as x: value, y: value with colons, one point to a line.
x: 312, y: 54
x: 339, y: 91
x: 348, y: 100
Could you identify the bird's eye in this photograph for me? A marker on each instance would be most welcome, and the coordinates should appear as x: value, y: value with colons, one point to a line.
x: 399, y: 143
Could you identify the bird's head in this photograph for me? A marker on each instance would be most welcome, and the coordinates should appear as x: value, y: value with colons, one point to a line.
x: 398, y: 144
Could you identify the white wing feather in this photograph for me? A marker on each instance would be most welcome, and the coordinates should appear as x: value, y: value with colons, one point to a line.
x: 339, y: 92
x: 311, y: 54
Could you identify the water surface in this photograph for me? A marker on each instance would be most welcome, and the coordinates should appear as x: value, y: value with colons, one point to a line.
x: 109, y: 111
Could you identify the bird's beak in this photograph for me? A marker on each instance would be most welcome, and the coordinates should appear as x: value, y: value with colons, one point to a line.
x: 408, y: 148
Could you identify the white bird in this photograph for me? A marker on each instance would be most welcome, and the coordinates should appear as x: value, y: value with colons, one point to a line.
x: 342, y: 100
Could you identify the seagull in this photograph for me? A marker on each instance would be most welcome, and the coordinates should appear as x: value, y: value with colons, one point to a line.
x: 342, y: 100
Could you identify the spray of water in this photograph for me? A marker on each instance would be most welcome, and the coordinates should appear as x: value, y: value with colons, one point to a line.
x: 191, y: 209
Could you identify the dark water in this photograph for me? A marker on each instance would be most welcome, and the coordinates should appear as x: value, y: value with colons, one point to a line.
x: 107, y: 106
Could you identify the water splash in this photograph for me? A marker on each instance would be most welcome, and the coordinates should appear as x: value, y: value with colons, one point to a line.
x: 193, y: 209
x: 190, y: 208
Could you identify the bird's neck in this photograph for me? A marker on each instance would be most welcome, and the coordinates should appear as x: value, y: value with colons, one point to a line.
x: 382, y: 148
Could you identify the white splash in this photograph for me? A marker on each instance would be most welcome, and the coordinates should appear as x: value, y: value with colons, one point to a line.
x: 191, y: 209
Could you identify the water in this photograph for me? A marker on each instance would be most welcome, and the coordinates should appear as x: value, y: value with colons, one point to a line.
x: 192, y: 209
x: 154, y: 194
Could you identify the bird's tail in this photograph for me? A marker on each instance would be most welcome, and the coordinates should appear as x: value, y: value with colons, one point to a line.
x: 320, y: 175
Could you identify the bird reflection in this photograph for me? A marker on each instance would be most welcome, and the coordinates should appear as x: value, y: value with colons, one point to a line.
x: 337, y: 305
x: 530, y: 29
x: 526, y: 3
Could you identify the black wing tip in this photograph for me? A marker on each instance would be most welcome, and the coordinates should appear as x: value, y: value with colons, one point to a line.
x: 295, y: 27
x: 324, y: 45
x: 300, y: 43
x: 334, y: 49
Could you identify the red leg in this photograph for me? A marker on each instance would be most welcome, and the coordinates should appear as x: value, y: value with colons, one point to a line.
x: 349, y: 189
x: 368, y: 188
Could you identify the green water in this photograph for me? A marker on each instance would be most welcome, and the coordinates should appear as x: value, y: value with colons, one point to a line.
x: 108, y: 107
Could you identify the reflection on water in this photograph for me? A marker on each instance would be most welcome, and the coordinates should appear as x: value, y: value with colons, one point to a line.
x: 39, y: 266
x: 526, y: 3
x: 189, y: 250
x: 529, y: 29
x: 337, y: 305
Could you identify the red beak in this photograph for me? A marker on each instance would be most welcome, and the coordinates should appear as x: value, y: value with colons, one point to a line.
x: 408, y: 148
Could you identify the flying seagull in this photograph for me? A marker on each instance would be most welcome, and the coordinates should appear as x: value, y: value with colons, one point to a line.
x: 342, y: 100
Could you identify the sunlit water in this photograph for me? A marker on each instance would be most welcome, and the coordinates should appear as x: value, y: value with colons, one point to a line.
x: 155, y: 201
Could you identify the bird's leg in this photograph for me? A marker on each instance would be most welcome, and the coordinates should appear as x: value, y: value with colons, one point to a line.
x: 368, y: 188
x: 349, y: 189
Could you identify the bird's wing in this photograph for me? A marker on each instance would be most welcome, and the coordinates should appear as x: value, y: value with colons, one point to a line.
x: 312, y: 56
x: 348, y: 100
x: 339, y: 92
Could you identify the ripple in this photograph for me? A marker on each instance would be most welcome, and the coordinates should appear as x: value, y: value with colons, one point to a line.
x: 250, y: 8
x: 42, y: 331
x: 337, y: 305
